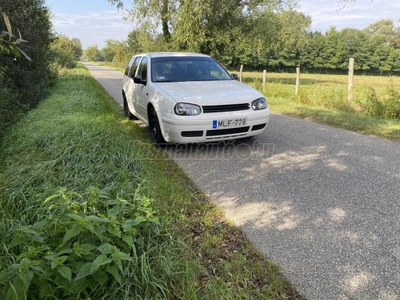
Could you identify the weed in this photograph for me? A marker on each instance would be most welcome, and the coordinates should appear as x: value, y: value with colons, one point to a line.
x: 372, y: 106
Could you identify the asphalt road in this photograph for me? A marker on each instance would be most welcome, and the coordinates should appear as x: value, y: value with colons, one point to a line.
x: 322, y: 203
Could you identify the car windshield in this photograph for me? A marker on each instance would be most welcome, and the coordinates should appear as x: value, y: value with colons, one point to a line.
x: 187, y: 68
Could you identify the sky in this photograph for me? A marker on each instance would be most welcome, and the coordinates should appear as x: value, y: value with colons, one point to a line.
x: 95, y: 21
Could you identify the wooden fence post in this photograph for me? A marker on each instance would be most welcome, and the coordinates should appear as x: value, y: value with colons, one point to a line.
x: 297, y: 80
x: 240, y: 74
x: 264, y: 79
x: 351, y: 74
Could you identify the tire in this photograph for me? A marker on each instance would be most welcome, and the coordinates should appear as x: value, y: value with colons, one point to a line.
x: 155, y: 130
x: 127, y: 112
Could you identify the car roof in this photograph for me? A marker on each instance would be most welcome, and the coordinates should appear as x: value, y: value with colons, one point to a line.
x: 173, y: 54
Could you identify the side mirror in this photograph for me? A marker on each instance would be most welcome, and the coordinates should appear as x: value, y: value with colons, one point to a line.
x: 139, y: 80
x: 235, y: 76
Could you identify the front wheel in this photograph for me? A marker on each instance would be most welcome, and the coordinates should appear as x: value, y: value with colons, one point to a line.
x: 154, y: 129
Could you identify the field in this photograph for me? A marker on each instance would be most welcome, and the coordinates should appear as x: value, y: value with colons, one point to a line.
x: 375, y: 108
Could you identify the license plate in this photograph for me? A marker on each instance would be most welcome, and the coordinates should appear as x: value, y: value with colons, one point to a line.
x: 229, y: 123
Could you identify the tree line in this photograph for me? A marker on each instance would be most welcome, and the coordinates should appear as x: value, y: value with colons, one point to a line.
x: 260, y: 34
x: 376, y: 50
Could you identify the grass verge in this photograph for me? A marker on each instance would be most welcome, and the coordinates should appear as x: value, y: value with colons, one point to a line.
x: 381, y: 127
x: 323, y: 99
x: 90, y: 209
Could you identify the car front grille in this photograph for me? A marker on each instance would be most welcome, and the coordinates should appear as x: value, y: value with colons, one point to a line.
x: 227, y: 131
x: 224, y: 108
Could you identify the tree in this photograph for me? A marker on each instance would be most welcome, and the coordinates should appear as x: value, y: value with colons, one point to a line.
x: 232, y: 31
x: 384, y: 29
x: 291, y: 38
x: 30, y: 78
x: 93, y: 53
x: 66, y: 51
x: 27, y: 82
x: 116, y: 52
x: 153, y: 12
x: 73, y: 45
x: 111, y: 48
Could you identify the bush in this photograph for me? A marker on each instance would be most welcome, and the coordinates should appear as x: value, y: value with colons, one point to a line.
x: 392, y: 104
x: 24, y: 83
x: 387, y: 107
x: 63, y: 58
x: 80, y: 245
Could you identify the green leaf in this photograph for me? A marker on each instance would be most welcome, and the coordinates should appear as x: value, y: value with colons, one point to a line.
x: 138, y: 220
x: 155, y: 220
x: 98, y: 219
x: 64, y: 251
x: 129, y: 225
x: 38, y: 238
x: 7, y: 22
x: 100, y: 260
x: 113, y: 270
x: 75, y: 217
x: 84, y: 271
x: 5, y: 276
x: 26, y: 278
x: 90, y: 227
x: 58, y: 261
x: 105, y: 248
x: 115, y: 231
x: 86, y: 249
x: 15, y: 293
x: 17, y: 240
x: 65, y: 272
x: 123, y: 256
x: 128, y: 239
x: 45, y: 289
x: 113, y: 212
x: 39, y: 225
x: 25, y: 263
x: 101, y: 278
x: 23, y: 53
x: 71, y: 233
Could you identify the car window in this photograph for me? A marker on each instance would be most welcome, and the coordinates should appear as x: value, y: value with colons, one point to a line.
x: 142, y: 72
x: 133, y: 68
x: 186, y: 68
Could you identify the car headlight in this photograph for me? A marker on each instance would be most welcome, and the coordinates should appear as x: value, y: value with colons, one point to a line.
x: 187, y: 109
x: 259, y: 104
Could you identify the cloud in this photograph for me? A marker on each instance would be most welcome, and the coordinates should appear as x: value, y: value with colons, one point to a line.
x: 359, y: 15
x: 93, y: 28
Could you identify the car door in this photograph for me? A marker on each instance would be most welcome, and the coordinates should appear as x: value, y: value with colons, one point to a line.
x: 141, y: 90
x: 128, y: 82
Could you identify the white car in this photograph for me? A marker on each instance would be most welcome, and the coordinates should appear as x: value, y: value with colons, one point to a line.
x: 190, y: 98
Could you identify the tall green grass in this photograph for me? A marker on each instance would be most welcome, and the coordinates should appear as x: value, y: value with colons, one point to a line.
x: 75, y: 222
x: 91, y: 210
x: 375, y: 108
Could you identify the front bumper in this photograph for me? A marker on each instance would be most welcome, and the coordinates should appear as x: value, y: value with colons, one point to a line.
x: 198, y: 129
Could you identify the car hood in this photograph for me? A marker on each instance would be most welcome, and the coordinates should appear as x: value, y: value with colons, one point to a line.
x: 210, y: 92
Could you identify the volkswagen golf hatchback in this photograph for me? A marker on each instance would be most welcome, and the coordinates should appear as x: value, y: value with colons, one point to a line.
x: 190, y: 98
